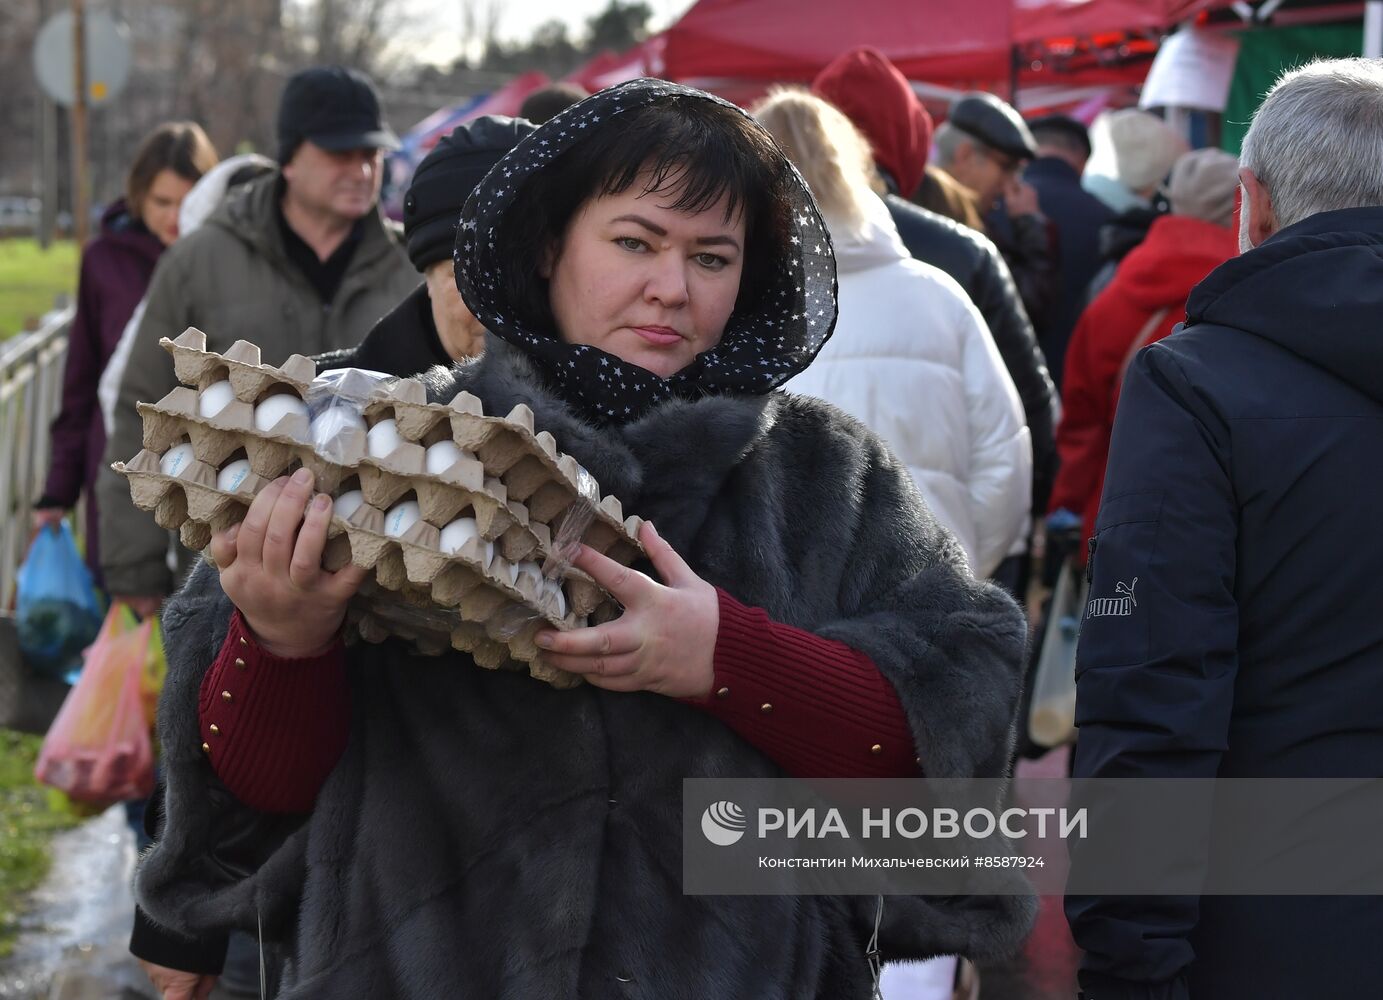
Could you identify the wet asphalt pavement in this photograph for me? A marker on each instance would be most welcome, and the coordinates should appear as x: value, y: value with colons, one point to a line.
x: 73, y: 942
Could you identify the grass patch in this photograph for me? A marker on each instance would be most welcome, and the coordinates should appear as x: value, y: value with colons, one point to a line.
x: 29, y: 815
x: 29, y: 279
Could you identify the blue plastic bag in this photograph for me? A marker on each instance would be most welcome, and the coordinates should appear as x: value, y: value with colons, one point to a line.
x: 57, y: 611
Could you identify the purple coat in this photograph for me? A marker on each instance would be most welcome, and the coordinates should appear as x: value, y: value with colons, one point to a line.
x: 116, y: 269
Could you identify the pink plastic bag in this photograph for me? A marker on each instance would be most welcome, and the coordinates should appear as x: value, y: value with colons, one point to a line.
x: 98, y: 748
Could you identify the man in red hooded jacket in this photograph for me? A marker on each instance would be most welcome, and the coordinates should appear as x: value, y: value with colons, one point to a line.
x: 1144, y: 303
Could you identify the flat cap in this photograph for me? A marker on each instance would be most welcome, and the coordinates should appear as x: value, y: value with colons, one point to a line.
x: 995, y: 123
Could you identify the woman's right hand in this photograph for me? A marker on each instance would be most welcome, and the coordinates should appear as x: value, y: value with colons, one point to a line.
x: 271, y: 569
x: 174, y: 984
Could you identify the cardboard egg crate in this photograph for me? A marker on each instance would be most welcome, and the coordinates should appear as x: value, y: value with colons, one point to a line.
x: 487, y: 597
x: 535, y: 473
x: 384, y: 481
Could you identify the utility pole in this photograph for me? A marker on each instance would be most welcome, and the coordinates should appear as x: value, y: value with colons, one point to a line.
x: 81, y: 205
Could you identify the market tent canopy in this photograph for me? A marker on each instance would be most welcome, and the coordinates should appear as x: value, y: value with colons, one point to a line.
x: 936, y: 40
x: 1035, y: 20
x: 794, y: 39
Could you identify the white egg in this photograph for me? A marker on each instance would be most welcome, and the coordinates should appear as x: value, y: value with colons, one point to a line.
x: 275, y: 408
x: 233, y: 475
x: 176, y: 459
x: 215, y: 398
x: 348, y: 503
x: 441, y: 457
x: 383, y: 438
x: 400, y: 517
x: 533, y: 571
x: 456, y: 534
x: 552, y: 589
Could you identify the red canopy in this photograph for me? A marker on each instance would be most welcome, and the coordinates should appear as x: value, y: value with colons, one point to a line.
x: 938, y: 40
x: 794, y: 39
x: 1035, y: 20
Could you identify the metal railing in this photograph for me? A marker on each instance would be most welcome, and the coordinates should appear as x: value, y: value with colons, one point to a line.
x: 31, y: 366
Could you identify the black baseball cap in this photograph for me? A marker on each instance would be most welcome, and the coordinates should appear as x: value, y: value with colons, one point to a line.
x: 334, y: 107
x: 995, y: 123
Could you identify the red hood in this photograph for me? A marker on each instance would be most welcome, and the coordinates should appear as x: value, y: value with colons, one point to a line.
x: 1176, y: 255
x: 874, y: 95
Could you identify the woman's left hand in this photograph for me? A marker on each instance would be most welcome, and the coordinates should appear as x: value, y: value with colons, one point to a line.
x: 665, y: 640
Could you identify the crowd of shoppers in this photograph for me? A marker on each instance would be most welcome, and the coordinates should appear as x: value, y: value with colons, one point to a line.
x: 840, y: 536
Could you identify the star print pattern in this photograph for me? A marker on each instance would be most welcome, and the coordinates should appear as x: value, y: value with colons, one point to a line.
x: 800, y: 307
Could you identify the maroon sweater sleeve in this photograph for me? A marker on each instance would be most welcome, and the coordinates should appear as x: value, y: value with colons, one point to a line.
x: 274, y: 728
x: 814, y: 706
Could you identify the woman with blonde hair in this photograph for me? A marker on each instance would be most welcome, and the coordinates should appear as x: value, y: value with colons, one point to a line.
x: 910, y: 356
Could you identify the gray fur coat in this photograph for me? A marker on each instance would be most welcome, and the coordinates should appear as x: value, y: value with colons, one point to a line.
x: 486, y: 835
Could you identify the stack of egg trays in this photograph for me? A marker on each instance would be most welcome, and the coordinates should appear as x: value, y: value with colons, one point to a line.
x: 418, y: 592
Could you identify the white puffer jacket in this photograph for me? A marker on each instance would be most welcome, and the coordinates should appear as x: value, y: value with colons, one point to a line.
x: 911, y: 359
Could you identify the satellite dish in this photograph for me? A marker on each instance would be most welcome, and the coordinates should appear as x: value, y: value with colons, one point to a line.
x: 107, y: 58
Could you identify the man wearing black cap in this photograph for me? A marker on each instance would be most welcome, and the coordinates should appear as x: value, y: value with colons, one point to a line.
x: 297, y: 262
x: 432, y: 326
x: 984, y: 145
x: 1063, y: 147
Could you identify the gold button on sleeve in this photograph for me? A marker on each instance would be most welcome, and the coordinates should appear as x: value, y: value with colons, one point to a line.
x: 215, y: 729
x: 226, y: 696
x: 244, y: 641
x: 876, y: 749
x: 723, y: 693
x: 239, y: 663
x: 765, y: 708
x: 206, y: 748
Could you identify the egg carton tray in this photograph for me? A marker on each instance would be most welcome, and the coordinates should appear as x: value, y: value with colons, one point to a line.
x: 473, y: 599
x: 529, y: 463
x: 516, y: 483
x: 540, y: 483
x: 379, y: 614
x: 383, y: 481
x: 241, y: 365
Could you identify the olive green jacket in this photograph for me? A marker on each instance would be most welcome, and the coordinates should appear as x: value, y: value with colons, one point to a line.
x: 233, y: 280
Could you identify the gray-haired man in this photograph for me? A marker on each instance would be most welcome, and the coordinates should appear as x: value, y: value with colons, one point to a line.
x: 1241, y: 507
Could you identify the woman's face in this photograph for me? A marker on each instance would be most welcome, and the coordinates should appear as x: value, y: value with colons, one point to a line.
x: 648, y: 284
x: 160, y: 209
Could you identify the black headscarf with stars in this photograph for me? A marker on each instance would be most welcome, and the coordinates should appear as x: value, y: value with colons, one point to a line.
x: 761, y: 348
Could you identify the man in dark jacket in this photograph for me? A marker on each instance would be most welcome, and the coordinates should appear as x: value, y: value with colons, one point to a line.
x: 876, y: 97
x: 984, y: 145
x: 1063, y: 147
x: 1240, y: 519
x: 299, y: 261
